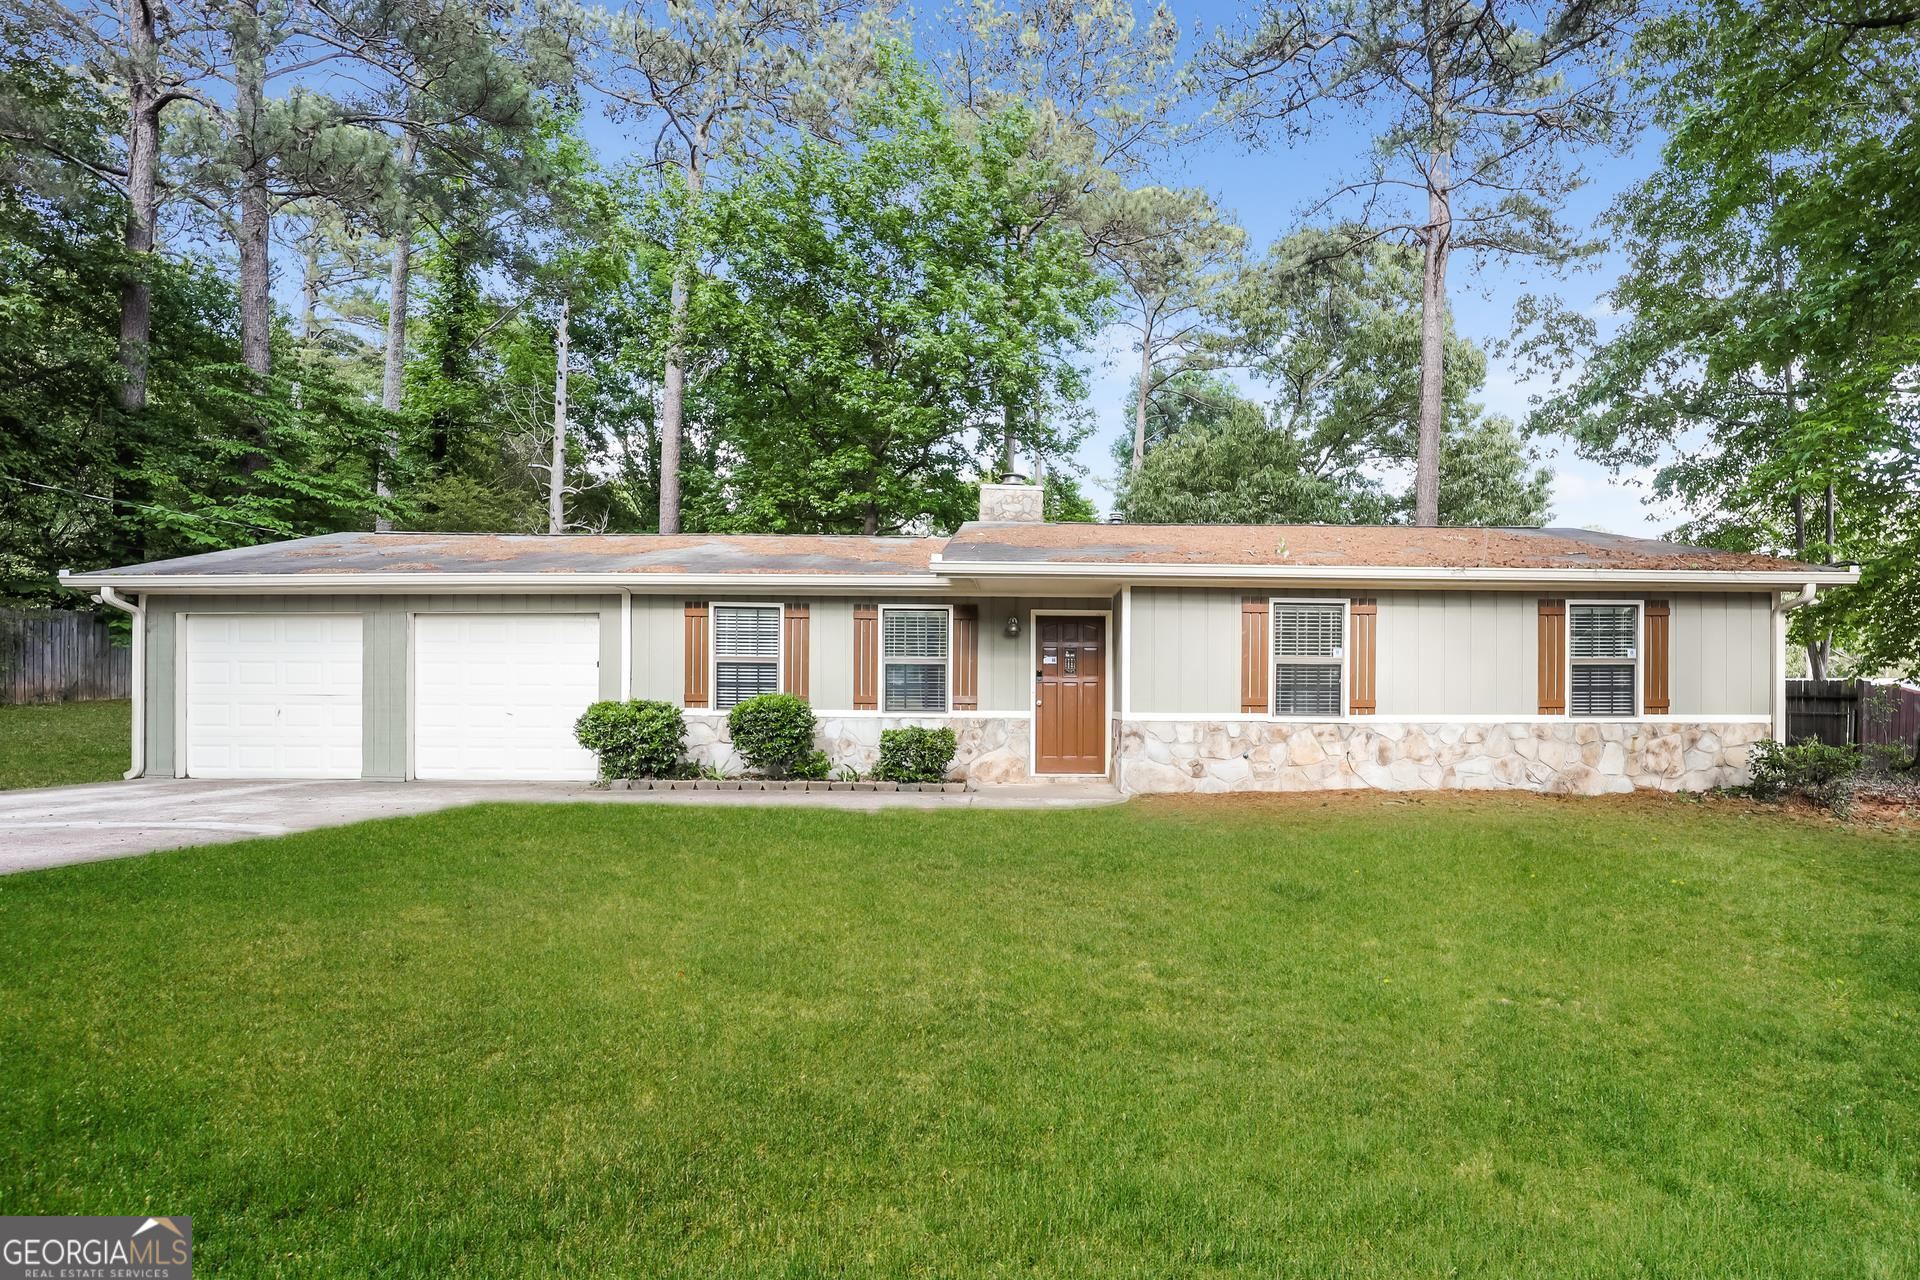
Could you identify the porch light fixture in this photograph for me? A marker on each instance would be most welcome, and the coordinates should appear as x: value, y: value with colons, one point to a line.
x: 1013, y: 626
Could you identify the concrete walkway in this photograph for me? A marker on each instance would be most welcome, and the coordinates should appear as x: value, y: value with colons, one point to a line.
x: 60, y: 825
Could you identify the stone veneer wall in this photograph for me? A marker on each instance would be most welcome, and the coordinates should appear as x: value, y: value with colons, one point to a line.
x: 1563, y: 757
x: 1018, y: 503
x: 991, y: 748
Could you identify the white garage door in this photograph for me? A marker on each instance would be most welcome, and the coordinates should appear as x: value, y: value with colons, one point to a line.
x: 495, y: 695
x: 273, y: 695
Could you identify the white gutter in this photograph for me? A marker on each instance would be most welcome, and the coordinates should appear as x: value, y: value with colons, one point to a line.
x: 1781, y: 608
x: 1228, y: 573
x: 413, y: 583
x: 1787, y: 604
x: 137, y: 686
x: 951, y: 577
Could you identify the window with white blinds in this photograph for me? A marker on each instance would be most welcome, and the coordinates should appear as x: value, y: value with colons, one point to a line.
x: 1603, y: 649
x: 1309, y: 658
x: 746, y: 652
x: 913, y: 659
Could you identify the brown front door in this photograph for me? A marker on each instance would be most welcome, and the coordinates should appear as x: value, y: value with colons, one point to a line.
x: 1070, y: 695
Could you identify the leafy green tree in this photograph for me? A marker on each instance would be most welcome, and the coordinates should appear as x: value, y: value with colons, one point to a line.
x: 1105, y: 93
x: 1172, y: 252
x: 1336, y: 334
x: 117, y: 50
x: 709, y: 81
x: 1483, y: 104
x: 1243, y: 472
x: 1063, y: 503
x: 1765, y: 363
x: 1190, y: 398
x: 874, y: 322
x: 89, y: 483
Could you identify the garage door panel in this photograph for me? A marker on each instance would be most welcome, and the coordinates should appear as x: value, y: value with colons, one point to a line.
x: 273, y: 695
x: 496, y: 695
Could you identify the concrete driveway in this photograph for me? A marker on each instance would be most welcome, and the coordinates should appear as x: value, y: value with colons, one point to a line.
x: 61, y: 825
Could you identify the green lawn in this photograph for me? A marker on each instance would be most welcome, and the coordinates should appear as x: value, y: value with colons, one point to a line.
x: 62, y: 743
x: 1359, y: 1037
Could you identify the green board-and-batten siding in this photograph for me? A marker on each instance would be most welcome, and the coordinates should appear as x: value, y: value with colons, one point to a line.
x: 385, y: 668
x: 1446, y: 653
x: 657, y: 653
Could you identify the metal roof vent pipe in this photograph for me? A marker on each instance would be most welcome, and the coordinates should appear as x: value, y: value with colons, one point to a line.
x: 1014, y: 500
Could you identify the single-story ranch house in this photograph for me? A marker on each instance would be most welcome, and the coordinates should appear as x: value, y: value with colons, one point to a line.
x: 1167, y: 658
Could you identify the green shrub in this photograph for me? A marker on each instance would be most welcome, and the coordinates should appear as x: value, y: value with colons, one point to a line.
x: 773, y: 733
x: 1809, y: 768
x: 915, y: 755
x: 634, y: 739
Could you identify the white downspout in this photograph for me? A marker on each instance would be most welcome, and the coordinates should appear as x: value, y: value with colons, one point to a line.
x: 138, y: 684
x: 1126, y: 685
x: 1782, y: 607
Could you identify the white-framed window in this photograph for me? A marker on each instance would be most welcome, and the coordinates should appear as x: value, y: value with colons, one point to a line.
x: 915, y: 667
x: 747, y: 652
x: 1309, y: 658
x: 1603, y: 658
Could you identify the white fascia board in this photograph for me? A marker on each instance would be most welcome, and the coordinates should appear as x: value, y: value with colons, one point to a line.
x: 429, y: 583
x: 1413, y: 575
x: 951, y: 576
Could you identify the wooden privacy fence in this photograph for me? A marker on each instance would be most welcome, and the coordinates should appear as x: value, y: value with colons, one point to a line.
x: 60, y: 655
x: 1838, y: 712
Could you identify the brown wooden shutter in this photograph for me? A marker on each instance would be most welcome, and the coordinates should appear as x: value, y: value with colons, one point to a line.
x: 696, y: 655
x: 966, y: 657
x: 1360, y: 694
x: 1256, y: 663
x: 1553, y: 657
x: 796, y: 673
x: 1659, y: 700
x: 866, y: 657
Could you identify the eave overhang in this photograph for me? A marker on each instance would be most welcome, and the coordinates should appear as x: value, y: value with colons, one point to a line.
x: 1422, y: 576
x: 951, y: 576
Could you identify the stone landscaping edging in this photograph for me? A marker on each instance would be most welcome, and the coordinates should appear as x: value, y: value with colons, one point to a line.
x: 1558, y: 757
x: 751, y: 784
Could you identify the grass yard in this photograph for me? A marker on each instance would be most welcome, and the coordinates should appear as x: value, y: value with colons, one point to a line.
x: 1344, y: 1037
x: 56, y: 744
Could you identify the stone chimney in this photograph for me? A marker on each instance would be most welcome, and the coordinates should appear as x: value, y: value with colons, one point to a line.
x: 1012, y: 501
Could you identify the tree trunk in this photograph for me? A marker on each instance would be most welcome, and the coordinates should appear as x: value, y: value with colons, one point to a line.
x: 143, y: 171
x: 673, y: 397
x: 309, y: 287
x: 1832, y: 532
x: 557, y: 472
x: 1010, y: 410
x: 394, y: 358
x: 254, y: 234
x: 1433, y: 338
x: 136, y: 289
x: 1140, y: 395
x: 256, y: 203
